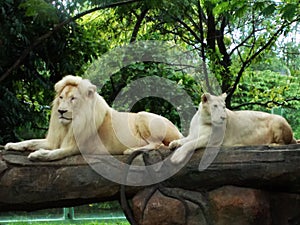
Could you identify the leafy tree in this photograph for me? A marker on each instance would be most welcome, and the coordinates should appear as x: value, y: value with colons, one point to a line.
x: 228, y: 35
x: 29, y: 65
x: 291, y: 56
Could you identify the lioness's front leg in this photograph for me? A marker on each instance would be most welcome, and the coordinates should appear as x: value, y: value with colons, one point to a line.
x: 31, y: 145
x: 51, y: 155
x: 177, y: 143
x: 181, y: 153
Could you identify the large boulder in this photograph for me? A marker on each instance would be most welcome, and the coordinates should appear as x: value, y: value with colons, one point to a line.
x: 227, y: 205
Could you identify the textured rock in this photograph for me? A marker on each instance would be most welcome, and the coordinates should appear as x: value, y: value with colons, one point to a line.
x: 285, y: 208
x: 227, y: 205
x: 160, y: 210
x: 239, y: 206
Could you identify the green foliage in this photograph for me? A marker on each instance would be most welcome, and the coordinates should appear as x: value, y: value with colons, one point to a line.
x: 24, y: 108
x: 289, y: 11
x: 40, y: 10
x: 30, y: 86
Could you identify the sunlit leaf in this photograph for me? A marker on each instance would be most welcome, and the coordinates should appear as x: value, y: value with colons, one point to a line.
x: 288, y: 11
x: 269, y: 10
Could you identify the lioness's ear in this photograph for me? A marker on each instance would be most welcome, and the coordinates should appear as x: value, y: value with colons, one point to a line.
x: 91, y: 90
x: 224, y: 95
x: 205, y: 97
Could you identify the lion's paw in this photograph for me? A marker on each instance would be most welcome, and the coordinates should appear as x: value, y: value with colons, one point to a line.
x: 41, y: 155
x: 174, y: 144
x: 8, y: 146
x: 14, y: 146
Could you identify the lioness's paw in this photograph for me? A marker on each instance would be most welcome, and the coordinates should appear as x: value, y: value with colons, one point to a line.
x: 41, y: 155
x: 174, y: 144
x: 14, y: 146
x: 179, y: 156
x: 129, y: 151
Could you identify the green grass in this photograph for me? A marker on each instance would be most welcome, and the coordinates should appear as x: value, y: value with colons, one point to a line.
x: 71, y: 223
x: 92, y: 214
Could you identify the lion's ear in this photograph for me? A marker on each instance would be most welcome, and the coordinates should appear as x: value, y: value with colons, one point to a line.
x: 91, y: 90
x: 66, y: 80
x: 58, y: 86
x: 205, y: 97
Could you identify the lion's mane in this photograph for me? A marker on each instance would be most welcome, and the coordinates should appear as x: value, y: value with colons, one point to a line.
x: 88, y: 115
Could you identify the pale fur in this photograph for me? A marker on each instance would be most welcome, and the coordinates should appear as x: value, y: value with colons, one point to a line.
x: 233, y: 128
x: 91, y: 126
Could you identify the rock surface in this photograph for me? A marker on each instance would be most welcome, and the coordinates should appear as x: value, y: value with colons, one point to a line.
x: 159, y: 209
x: 228, y: 205
x: 239, y: 206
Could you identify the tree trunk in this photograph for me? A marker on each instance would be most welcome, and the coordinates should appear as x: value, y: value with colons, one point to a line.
x: 26, y: 185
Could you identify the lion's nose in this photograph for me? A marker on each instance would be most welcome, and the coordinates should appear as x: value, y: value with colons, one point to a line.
x: 62, y: 111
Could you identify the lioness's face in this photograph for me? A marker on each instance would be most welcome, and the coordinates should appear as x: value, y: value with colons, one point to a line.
x: 215, y: 107
x: 67, y: 100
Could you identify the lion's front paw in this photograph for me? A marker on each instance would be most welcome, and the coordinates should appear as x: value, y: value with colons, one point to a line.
x: 41, y: 155
x: 8, y: 146
x: 14, y: 146
x: 174, y: 144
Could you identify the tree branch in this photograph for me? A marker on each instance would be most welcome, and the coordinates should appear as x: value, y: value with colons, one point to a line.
x: 138, y: 24
x: 186, y: 26
x: 203, y: 46
x: 267, y: 103
x: 55, y: 29
x: 254, y: 55
x: 225, y: 60
x: 211, y: 30
x: 27, y: 185
x: 243, y: 42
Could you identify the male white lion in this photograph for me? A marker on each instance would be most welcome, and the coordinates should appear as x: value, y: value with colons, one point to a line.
x: 81, y: 120
x: 232, y: 128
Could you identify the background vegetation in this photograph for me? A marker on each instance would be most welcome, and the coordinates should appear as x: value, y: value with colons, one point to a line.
x: 251, y: 47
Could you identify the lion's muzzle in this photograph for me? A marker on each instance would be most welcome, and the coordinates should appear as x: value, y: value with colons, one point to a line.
x: 64, y: 118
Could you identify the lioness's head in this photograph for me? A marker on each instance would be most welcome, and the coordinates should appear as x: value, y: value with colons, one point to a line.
x: 213, y: 109
x: 71, y: 93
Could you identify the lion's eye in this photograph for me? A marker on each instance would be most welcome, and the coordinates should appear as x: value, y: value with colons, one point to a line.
x: 73, y: 98
x: 61, y: 97
x: 215, y: 106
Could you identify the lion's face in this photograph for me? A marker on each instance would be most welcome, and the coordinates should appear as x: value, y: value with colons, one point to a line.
x: 72, y: 94
x: 67, y: 101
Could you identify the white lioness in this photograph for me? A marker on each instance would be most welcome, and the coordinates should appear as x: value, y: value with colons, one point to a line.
x: 232, y: 128
x: 81, y: 120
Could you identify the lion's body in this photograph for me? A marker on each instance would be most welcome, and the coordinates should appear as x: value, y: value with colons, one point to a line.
x: 214, y: 125
x: 81, y: 121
